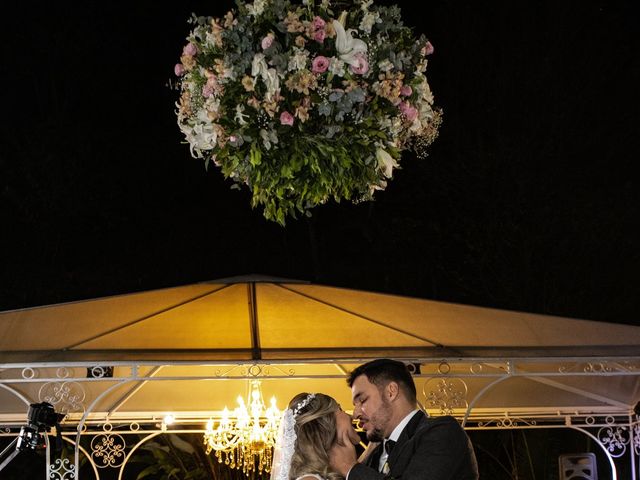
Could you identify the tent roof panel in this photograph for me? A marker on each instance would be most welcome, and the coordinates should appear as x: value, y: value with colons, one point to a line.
x: 184, y: 349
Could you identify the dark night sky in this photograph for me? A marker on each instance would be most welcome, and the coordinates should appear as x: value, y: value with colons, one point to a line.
x: 526, y: 202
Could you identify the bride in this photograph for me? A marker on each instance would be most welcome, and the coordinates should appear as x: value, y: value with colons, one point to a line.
x: 311, y: 424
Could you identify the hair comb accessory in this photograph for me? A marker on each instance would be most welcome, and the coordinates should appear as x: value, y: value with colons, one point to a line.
x: 307, y: 400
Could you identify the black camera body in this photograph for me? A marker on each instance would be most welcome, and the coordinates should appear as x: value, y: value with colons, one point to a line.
x: 42, y: 416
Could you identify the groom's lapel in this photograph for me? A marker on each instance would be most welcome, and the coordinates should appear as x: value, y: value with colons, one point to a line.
x: 404, y: 437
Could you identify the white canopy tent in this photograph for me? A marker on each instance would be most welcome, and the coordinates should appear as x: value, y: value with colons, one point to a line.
x: 128, y: 360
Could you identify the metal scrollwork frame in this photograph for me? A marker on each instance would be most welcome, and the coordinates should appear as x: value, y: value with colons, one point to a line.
x: 445, y: 387
x: 614, y: 434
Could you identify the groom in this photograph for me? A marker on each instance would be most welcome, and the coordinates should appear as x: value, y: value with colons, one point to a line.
x: 413, y: 446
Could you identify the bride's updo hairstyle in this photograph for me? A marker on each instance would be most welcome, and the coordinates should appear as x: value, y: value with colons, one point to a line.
x: 315, y: 429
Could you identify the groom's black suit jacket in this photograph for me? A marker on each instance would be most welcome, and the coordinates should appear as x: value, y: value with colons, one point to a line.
x: 428, y: 449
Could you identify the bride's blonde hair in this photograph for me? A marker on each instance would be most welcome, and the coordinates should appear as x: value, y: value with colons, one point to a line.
x: 315, y: 429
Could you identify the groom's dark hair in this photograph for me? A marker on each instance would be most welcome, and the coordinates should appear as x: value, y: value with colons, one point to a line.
x: 384, y: 370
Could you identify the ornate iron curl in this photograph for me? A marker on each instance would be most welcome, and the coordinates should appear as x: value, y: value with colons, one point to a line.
x: 62, y: 469
x: 65, y: 396
x: 219, y: 373
x: 290, y: 372
x: 476, y: 368
x: 100, y: 371
x: 446, y: 395
x: 444, y: 368
x: 254, y: 371
x: 108, y: 449
x: 614, y: 439
x: 507, y: 422
x: 599, y: 367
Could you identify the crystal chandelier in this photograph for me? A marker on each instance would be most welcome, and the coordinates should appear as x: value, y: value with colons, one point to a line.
x: 245, y: 439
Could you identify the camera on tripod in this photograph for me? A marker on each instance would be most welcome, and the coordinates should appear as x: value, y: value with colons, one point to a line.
x: 40, y: 418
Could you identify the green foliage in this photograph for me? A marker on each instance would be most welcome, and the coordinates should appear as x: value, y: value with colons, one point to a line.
x: 182, y: 457
x: 170, y: 457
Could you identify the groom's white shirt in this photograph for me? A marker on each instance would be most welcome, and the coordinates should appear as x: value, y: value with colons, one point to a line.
x: 394, y: 436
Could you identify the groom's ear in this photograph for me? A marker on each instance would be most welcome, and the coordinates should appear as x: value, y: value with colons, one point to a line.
x: 392, y: 390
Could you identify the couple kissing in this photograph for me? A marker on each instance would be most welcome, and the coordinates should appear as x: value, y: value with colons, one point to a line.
x: 317, y: 440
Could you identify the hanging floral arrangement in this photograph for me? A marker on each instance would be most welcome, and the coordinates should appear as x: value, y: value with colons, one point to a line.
x: 305, y: 102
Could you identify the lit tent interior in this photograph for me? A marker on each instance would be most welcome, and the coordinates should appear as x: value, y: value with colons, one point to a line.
x: 191, y: 350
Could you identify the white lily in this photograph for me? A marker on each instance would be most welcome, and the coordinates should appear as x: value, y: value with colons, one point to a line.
x: 240, y: 115
x: 201, y: 136
x: 386, y: 162
x: 381, y: 185
x: 269, y: 76
x: 257, y: 8
x: 258, y: 65
x: 348, y: 47
x: 271, y: 80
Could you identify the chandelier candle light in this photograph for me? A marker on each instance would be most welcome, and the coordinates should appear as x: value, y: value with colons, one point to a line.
x: 302, y: 101
x: 245, y: 439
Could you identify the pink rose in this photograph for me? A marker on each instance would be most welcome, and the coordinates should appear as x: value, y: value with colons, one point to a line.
x: 428, y: 48
x: 318, y: 23
x: 362, y: 66
x: 286, y: 119
x: 207, y: 90
x: 320, y: 64
x: 190, y: 49
x: 319, y: 35
x: 406, y: 90
x: 178, y: 70
x: 410, y: 113
x: 267, y: 41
